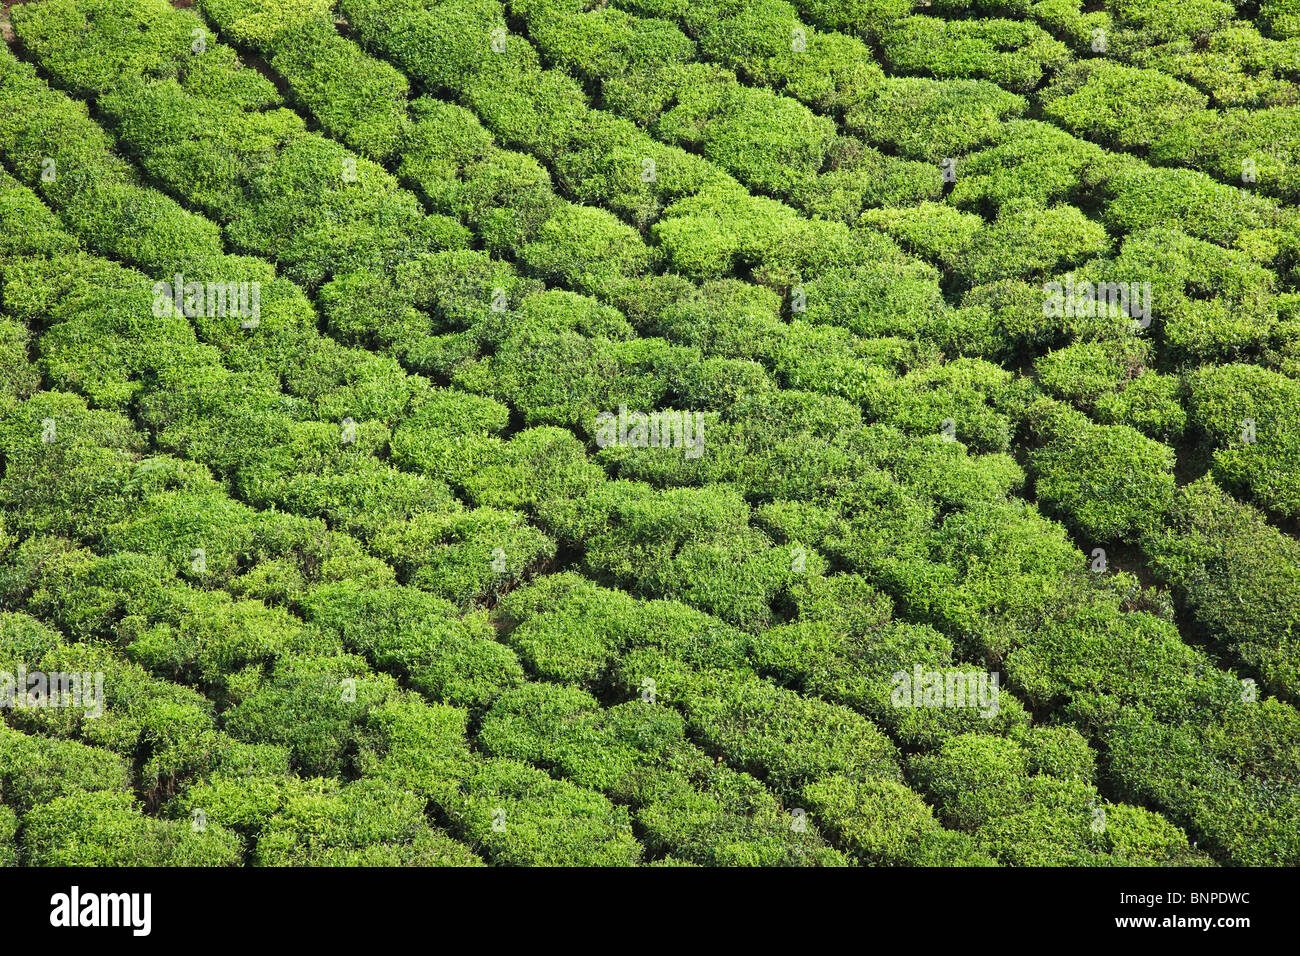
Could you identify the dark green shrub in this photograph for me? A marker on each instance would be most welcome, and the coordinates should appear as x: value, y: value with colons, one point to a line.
x: 639, y: 753
x: 857, y: 176
x: 567, y: 379
x: 786, y: 739
x: 997, y: 321
x: 965, y: 399
x: 867, y: 18
x: 884, y: 823
x: 845, y: 647
x: 442, y: 44
x: 314, y: 706
x: 36, y: 770
x: 545, y: 471
x: 1174, y: 765
x: 465, y: 556
x: 8, y: 837
x: 1024, y: 241
x: 1231, y: 143
x: 1109, y: 481
x: 420, y: 636
x: 519, y: 816
x: 1024, y: 815
x: 1117, y: 105
x: 567, y: 629
x: 19, y: 378
x: 724, y: 818
x: 108, y: 829
x: 1281, y: 18
x: 1143, y: 197
x: 1209, y: 304
x: 257, y: 24
x: 893, y: 297
x: 92, y: 46
x: 830, y: 73
x: 566, y: 731
x: 1152, y: 403
x: 364, y: 823
x: 450, y: 436
x: 1013, y: 54
x: 1235, y: 65
x: 1027, y: 241
x: 691, y: 544
x: 974, y: 779
x: 355, y: 97
x: 1103, y: 661
x: 458, y: 170
x: 215, y: 636
x: 30, y: 227
x: 1110, y: 379
x: 1236, y: 575
x: 92, y: 454
x: 933, y: 120
x: 1192, y: 20
x: 588, y: 249
x: 1247, y: 412
x: 56, y: 148
x: 933, y: 230
x: 1034, y: 161
x: 771, y: 143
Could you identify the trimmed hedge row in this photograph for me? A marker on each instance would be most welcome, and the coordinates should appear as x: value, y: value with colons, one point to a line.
x: 994, y: 240
x: 1197, y: 54
x: 1262, y: 217
x: 1179, y: 144
x: 1247, y: 414
x: 1113, y: 381
x: 286, y: 711
x: 1135, y: 412
x: 749, y: 721
x: 1029, y: 800
x: 1134, y: 191
x: 738, y: 232
x: 307, y: 734
x: 1119, y: 106
x: 50, y: 140
x: 925, y: 120
x: 272, y: 722
x: 480, y: 141
x: 785, y: 518
x: 685, y: 803
x: 1014, y: 54
x: 290, y: 458
x: 698, y: 668
x: 417, y: 533
x: 272, y: 710
x: 1110, y: 482
x: 544, y: 252
x: 1238, y: 576
x: 1067, y: 639
x: 146, y: 644
x: 192, y: 122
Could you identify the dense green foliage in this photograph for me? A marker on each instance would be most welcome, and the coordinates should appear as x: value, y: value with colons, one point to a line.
x: 656, y: 429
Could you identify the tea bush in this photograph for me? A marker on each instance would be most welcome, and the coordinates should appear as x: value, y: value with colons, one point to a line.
x: 367, y: 580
